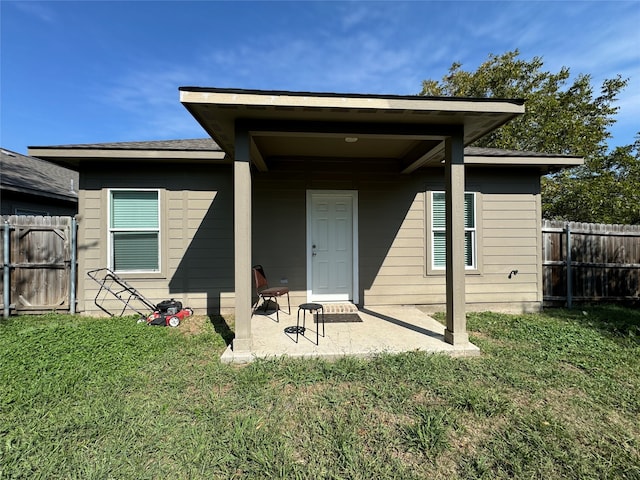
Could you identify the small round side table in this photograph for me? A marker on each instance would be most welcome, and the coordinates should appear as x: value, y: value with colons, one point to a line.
x: 316, y: 308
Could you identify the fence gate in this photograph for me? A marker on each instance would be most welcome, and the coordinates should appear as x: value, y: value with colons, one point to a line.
x: 37, y: 254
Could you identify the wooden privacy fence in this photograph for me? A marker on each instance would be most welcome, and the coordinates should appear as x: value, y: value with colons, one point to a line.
x: 37, y: 258
x: 590, y: 262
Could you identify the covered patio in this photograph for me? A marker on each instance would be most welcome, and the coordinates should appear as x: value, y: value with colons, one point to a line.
x: 261, y: 129
x: 392, y: 329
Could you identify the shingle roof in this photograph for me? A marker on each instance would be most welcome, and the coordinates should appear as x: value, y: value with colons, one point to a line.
x: 34, y: 176
x: 498, y: 152
x: 195, y: 144
x: 208, y: 144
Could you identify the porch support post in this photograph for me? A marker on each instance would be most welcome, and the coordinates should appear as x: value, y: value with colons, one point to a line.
x: 242, y: 240
x: 456, y: 330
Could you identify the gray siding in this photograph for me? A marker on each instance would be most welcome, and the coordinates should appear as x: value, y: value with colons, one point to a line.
x: 393, y: 232
x: 196, y: 235
x: 197, y: 232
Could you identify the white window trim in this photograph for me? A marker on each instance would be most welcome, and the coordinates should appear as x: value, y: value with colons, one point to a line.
x: 473, y: 230
x: 111, y: 230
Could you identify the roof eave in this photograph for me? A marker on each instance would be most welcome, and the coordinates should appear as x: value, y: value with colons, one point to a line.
x: 546, y: 163
x: 217, y: 110
x: 76, y: 155
x: 71, y: 197
x: 279, y: 98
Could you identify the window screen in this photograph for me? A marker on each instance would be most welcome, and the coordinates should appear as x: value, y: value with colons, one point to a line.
x: 134, y: 230
x: 438, y: 230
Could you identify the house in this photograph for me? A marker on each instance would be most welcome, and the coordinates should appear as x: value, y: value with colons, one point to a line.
x: 368, y: 199
x: 31, y: 186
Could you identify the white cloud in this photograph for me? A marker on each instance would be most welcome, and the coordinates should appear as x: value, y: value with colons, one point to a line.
x: 378, y: 47
x: 361, y: 59
x: 150, y: 102
x: 140, y: 89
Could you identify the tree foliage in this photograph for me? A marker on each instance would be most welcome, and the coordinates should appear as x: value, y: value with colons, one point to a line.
x: 563, y: 116
x: 606, y: 189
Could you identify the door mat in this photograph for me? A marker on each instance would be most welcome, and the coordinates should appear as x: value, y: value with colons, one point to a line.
x: 339, y: 318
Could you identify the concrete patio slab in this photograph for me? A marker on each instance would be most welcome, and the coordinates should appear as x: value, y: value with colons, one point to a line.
x: 382, y: 330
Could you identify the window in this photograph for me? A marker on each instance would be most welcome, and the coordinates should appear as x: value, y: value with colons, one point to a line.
x: 438, y: 233
x: 134, y: 230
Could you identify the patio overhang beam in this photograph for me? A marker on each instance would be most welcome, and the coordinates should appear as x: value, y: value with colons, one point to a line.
x: 422, y: 139
x: 391, y: 130
x: 423, y: 156
x: 256, y: 156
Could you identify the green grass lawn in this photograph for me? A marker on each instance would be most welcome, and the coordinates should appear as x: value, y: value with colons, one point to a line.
x: 553, y: 395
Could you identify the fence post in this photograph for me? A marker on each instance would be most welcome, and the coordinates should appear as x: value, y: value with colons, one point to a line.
x: 72, y: 273
x: 569, y: 273
x: 6, y: 297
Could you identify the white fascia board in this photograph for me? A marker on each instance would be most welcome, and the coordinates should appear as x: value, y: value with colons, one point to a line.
x: 369, y: 103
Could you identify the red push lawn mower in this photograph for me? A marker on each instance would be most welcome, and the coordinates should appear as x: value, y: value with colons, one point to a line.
x: 169, y: 313
x: 166, y: 313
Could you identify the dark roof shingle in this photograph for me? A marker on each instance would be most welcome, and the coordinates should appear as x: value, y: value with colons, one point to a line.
x: 34, y: 176
x: 498, y: 152
x: 194, y: 144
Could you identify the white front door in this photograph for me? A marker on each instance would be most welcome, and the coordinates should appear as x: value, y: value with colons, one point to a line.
x: 331, y: 245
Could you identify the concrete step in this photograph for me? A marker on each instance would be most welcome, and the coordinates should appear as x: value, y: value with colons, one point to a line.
x: 340, y: 308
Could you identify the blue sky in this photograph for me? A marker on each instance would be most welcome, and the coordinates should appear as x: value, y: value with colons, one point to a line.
x: 89, y: 72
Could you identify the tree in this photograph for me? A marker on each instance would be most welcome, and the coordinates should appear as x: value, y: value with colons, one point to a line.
x: 606, y: 189
x: 563, y: 116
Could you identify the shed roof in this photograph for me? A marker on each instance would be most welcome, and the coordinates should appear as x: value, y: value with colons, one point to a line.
x: 406, y: 129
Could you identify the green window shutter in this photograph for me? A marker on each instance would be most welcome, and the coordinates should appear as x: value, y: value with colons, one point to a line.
x: 135, y: 251
x: 134, y: 209
x: 438, y: 219
x: 439, y: 224
x: 470, y: 223
x: 134, y: 224
x: 439, y: 210
x: 468, y: 249
x: 469, y: 211
x: 439, y: 249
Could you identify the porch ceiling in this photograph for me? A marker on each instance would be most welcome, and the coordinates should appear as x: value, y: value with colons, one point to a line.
x: 407, y: 129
